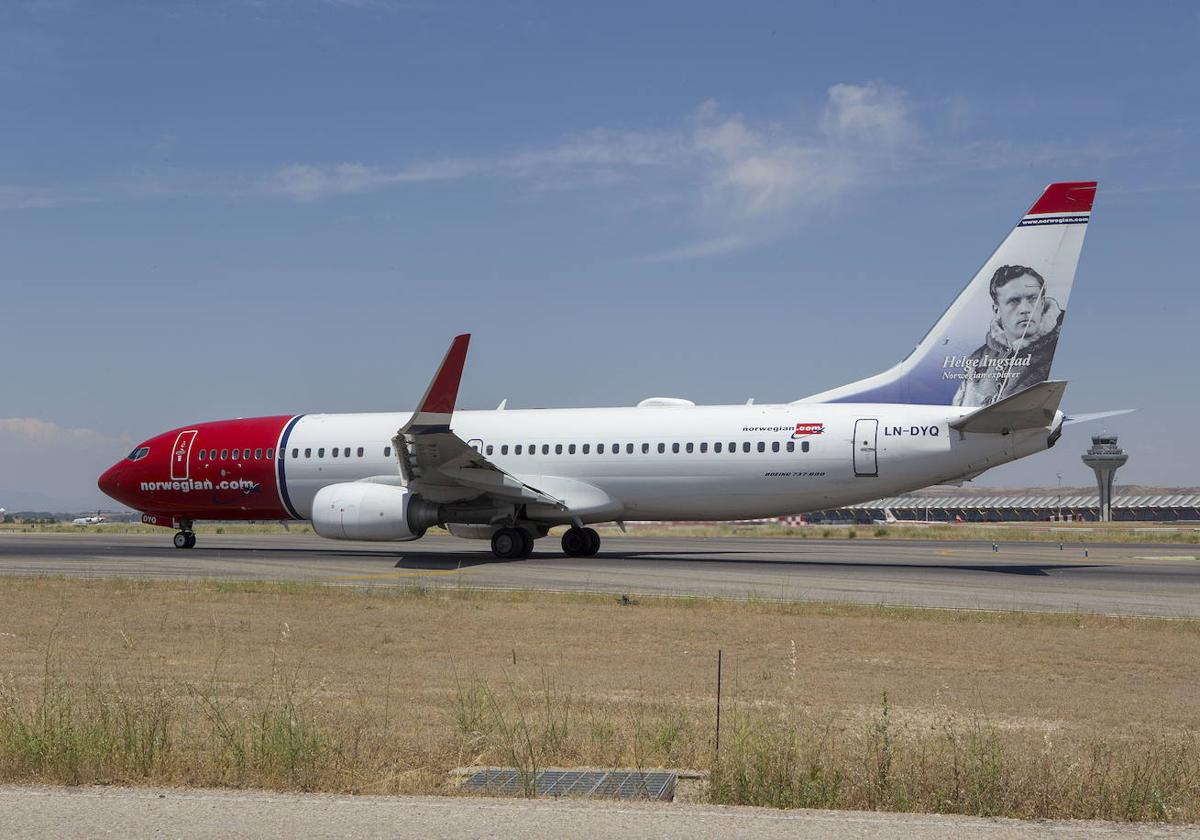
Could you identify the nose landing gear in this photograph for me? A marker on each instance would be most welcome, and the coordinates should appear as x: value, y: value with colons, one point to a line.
x: 185, y: 538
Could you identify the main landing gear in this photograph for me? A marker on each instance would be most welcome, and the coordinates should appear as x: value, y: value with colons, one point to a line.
x: 580, y: 542
x: 512, y: 543
x: 185, y: 538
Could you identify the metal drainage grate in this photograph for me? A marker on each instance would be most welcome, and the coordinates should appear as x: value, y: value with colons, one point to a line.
x: 610, y: 784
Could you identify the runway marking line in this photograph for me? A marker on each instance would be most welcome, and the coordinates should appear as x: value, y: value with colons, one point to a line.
x: 390, y: 575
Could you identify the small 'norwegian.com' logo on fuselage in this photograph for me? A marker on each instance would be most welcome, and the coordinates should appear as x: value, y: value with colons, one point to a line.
x: 805, y: 429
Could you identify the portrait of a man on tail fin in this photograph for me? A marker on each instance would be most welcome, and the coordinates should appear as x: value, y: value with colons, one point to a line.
x: 1020, y: 341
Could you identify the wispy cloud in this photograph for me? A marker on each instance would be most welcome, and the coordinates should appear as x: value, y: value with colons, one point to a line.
x: 743, y: 181
x: 304, y: 182
x: 38, y: 432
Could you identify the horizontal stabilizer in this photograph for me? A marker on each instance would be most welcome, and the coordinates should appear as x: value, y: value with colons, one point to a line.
x: 1030, y: 409
x: 1096, y: 415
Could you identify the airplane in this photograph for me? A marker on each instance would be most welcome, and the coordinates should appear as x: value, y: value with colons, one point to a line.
x: 90, y: 520
x: 974, y: 393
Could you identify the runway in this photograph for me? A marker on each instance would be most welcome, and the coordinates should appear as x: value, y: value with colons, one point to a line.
x: 1147, y: 580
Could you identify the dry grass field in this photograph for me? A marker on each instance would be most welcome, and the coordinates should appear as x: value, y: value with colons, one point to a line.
x: 374, y: 691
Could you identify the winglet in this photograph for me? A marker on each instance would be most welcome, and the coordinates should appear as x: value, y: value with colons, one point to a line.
x: 437, y: 405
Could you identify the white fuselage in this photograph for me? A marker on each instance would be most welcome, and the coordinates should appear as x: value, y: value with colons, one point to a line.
x: 663, y: 462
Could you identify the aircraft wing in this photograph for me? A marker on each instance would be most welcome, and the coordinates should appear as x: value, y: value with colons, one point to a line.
x: 440, y: 465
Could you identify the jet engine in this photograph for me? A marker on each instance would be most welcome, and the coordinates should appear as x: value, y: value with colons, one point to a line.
x: 365, y: 511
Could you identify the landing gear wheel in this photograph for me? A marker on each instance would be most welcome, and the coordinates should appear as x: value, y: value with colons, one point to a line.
x: 185, y: 539
x: 575, y: 542
x: 593, y: 542
x: 527, y: 540
x: 509, y: 543
x: 191, y: 540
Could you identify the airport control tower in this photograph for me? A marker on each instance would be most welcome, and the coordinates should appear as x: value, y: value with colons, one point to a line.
x: 1105, y: 457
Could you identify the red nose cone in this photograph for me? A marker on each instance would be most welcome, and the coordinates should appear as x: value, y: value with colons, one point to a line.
x: 110, y: 482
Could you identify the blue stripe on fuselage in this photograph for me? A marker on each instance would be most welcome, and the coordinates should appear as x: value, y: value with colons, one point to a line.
x: 280, y: 472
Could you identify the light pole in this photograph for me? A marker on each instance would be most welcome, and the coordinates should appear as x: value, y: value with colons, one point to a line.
x: 1060, y: 519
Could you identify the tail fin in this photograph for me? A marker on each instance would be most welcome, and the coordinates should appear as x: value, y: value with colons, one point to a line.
x: 999, y: 335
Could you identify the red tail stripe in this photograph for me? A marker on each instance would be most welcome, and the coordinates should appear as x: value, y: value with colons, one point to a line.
x: 1071, y: 197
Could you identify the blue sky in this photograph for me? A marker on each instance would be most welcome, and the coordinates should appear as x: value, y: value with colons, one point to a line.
x: 219, y: 209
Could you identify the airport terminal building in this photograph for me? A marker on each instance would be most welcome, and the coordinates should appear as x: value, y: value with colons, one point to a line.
x: 1153, y: 505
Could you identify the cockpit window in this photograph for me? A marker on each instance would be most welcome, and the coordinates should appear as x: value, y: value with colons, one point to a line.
x: 139, y: 453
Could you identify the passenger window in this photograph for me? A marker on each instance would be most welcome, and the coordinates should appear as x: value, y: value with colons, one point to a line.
x: 599, y: 448
x: 212, y: 454
x: 258, y: 454
x: 762, y: 446
x: 224, y: 454
x: 587, y: 447
x: 307, y: 452
x: 675, y: 448
x: 201, y: 455
x: 360, y: 452
x: 333, y: 452
x: 246, y: 454
x: 746, y: 446
x: 488, y: 451
x: 662, y: 447
x: 321, y: 452
x: 387, y: 452
x: 703, y: 448
x: 545, y: 449
x: 571, y: 449
x: 271, y: 453
x: 504, y: 449
x: 346, y: 452
x: 533, y: 449
x: 558, y: 449
x: 296, y: 452
x: 774, y: 446
x: 804, y: 446
x: 645, y: 448
x: 517, y: 449
x: 732, y: 446
x: 791, y: 446
x: 690, y: 447
x: 629, y: 449
x: 717, y: 446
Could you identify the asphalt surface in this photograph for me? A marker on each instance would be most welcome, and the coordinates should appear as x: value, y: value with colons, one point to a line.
x: 1140, y: 579
x: 135, y: 813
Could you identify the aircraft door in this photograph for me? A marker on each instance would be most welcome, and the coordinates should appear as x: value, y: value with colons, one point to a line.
x: 866, y: 433
x: 181, y: 455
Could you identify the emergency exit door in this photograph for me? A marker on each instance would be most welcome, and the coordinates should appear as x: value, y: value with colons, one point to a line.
x: 866, y: 461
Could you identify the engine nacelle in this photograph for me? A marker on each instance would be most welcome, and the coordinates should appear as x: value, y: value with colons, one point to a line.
x: 364, y: 511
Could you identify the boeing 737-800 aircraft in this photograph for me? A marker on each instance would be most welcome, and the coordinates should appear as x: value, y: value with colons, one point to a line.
x: 975, y: 393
